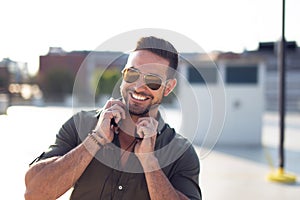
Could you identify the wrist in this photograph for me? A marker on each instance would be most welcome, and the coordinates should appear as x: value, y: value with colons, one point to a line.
x: 92, y: 136
x: 97, y: 134
x: 91, y: 145
x: 149, y: 162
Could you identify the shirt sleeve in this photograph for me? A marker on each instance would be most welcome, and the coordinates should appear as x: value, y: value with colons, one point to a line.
x: 66, y: 139
x: 72, y: 133
x: 186, y: 176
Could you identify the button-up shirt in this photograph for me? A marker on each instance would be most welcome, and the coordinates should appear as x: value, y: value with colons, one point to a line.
x: 105, y: 178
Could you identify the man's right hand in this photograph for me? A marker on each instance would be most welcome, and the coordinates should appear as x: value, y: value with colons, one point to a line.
x: 113, y: 109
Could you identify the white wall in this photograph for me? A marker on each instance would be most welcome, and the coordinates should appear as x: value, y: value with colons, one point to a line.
x: 229, y: 114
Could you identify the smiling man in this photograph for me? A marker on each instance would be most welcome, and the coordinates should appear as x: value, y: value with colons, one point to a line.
x: 145, y: 82
x: 124, y: 150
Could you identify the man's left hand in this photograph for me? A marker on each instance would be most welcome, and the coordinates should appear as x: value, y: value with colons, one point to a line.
x: 146, y: 129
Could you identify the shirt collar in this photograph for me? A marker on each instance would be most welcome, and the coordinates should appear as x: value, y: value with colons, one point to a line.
x: 161, y: 122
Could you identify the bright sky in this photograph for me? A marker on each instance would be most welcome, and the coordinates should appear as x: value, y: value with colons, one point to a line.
x: 29, y: 28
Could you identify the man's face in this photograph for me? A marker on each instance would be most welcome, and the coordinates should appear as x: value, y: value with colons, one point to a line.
x: 139, y: 98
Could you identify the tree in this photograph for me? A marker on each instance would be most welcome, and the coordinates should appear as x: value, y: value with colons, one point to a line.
x: 107, y: 82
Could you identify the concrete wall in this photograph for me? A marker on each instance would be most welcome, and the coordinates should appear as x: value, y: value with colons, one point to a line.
x: 227, y: 113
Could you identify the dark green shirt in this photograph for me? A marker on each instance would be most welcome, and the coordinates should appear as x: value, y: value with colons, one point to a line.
x: 105, y: 179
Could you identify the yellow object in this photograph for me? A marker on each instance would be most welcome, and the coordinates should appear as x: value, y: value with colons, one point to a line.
x: 281, y: 176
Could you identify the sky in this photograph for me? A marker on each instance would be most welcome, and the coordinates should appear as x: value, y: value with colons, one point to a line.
x: 29, y: 28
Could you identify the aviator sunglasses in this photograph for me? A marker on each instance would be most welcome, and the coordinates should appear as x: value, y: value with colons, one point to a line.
x: 152, y: 81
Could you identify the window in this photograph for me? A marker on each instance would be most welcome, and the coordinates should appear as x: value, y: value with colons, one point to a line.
x: 241, y: 75
x: 202, y: 75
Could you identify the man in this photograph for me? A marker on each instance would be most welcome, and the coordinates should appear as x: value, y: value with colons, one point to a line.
x: 125, y: 150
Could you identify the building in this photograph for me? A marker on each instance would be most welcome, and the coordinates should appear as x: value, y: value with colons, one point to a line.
x: 268, y: 51
x: 89, y: 61
x: 231, y: 92
x: 60, y: 71
x: 227, y: 94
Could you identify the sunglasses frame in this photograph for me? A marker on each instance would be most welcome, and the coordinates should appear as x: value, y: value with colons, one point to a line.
x: 144, y: 77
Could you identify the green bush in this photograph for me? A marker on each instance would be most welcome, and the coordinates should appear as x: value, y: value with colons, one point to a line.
x: 107, y: 82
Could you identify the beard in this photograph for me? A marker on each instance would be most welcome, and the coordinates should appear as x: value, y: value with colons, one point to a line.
x: 141, y: 112
x: 140, y: 109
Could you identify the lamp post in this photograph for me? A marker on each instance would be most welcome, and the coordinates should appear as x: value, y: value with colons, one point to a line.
x: 281, y: 175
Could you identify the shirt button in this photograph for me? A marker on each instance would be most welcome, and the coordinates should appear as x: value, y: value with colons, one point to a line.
x: 120, y: 187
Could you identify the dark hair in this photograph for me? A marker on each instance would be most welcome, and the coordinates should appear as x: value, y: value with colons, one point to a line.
x: 161, y: 48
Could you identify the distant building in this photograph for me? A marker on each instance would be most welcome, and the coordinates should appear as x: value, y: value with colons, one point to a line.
x: 235, y: 89
x: 268, y: 51
x: 58, y: 58
x: 222, y: 93
x: 87, y: 61
x: 80, y: 64
x: 72, y: 61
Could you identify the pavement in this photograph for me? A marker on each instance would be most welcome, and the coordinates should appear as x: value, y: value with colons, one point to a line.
x: 235, y: 172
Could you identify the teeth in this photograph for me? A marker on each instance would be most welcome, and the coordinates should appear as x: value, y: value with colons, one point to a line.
x: 139, y: 97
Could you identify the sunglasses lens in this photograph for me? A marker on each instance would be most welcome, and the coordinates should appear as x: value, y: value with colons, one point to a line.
x: 153, y: 82
x: 130, y: 75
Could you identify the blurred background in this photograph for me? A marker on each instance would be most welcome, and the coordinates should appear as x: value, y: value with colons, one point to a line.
x: 44, y: 44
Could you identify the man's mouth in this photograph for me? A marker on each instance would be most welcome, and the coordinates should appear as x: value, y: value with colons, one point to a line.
x: 139, y: 97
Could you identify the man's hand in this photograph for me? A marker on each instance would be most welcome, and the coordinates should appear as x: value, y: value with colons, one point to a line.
x: 146, y: 129
x: 113, y: 109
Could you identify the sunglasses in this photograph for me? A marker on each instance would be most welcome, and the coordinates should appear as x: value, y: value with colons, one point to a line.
x: 152, y: 81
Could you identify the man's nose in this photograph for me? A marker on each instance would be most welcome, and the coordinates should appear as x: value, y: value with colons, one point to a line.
x: 140, y: 83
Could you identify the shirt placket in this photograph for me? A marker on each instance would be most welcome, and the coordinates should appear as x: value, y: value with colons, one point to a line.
x: 121, y: 186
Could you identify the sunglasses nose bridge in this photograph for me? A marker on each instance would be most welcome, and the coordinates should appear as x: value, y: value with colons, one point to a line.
x: 140, y: 82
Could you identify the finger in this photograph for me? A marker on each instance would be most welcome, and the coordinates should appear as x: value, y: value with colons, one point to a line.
x: 146, y: 132
x: 141, y: 119
x: 115, y: 113
x: 109, y: 114
x: 116, y: 116
x: 107, y: 117
x: 143, y: 123
x: 120, y: 109
x: 148, y: 121
x: 112, y: 102
x: 140, y: 132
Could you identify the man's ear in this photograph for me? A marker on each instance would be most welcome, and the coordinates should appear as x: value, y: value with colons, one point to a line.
x: 170, y: 86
